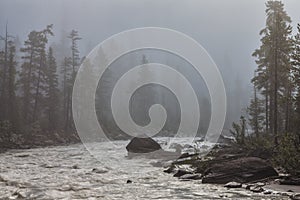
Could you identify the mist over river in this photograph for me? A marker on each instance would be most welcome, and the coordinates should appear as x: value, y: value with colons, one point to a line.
x: 71, y: 172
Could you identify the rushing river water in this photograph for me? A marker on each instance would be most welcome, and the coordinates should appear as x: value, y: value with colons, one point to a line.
x: 67, y: 173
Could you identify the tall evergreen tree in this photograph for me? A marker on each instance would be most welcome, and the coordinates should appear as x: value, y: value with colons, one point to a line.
x: 74, y: 37
x: 296, y: 82
x: 4, y: 75
x: 75, y: 62
x: 32, y: 76
x: 66, y: 71
x: 273, y: 59
x: 11, y: 83
x: 255, y: 111
x: 52, y: 91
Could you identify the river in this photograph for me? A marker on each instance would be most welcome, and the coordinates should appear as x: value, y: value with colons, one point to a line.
x: 66, y: 172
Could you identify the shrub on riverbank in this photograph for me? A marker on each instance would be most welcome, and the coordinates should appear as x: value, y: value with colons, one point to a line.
x: 288, y: 154
x: 285, y: 154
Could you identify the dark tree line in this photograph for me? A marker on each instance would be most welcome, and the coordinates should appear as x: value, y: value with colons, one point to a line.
x: 35, y: 106
x: 273, y: 113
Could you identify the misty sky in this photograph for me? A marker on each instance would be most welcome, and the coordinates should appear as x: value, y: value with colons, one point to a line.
x: 228, y: 29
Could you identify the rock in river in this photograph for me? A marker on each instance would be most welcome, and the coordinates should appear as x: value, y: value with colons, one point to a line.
x: 240, y: 170
x: 181, y: 172
x: 233, y: 185
x: 290, y: 181
x: 295, y: 197
x: 142, y: 145
x: 190, y: 177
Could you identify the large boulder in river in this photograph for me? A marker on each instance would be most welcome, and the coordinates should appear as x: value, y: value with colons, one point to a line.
x: 142, y: 145
x: 240, y: 170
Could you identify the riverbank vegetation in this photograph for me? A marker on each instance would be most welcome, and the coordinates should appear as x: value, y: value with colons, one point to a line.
x: 271, y: 124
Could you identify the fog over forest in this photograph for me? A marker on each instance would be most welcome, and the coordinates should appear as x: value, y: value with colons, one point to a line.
x: 150, y: 99
x: 228, y: 30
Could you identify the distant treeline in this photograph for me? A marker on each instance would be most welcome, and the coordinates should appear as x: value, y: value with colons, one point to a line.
x: 35, y: 106
x: 36, y: 83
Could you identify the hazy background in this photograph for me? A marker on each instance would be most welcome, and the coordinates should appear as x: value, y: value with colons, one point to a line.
x: 228, y: 29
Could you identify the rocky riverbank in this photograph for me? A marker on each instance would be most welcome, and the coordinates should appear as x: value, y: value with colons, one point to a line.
x: 233, y: 168
x: 226, y: 165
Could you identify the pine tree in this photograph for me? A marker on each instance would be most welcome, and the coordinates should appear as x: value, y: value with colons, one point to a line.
x: 75, y: 62
x: 74, y: 37
x: 143, y: 99
x: 296, y: 80
x: 239, y: 130
x: 273, y: 59
x: 67, y: 72
x: 52, y: 91
x: 11, y: 82
x: 255, y: 111
x: 2, y: 84
x: 4, y: 75
x: 32, y: 76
